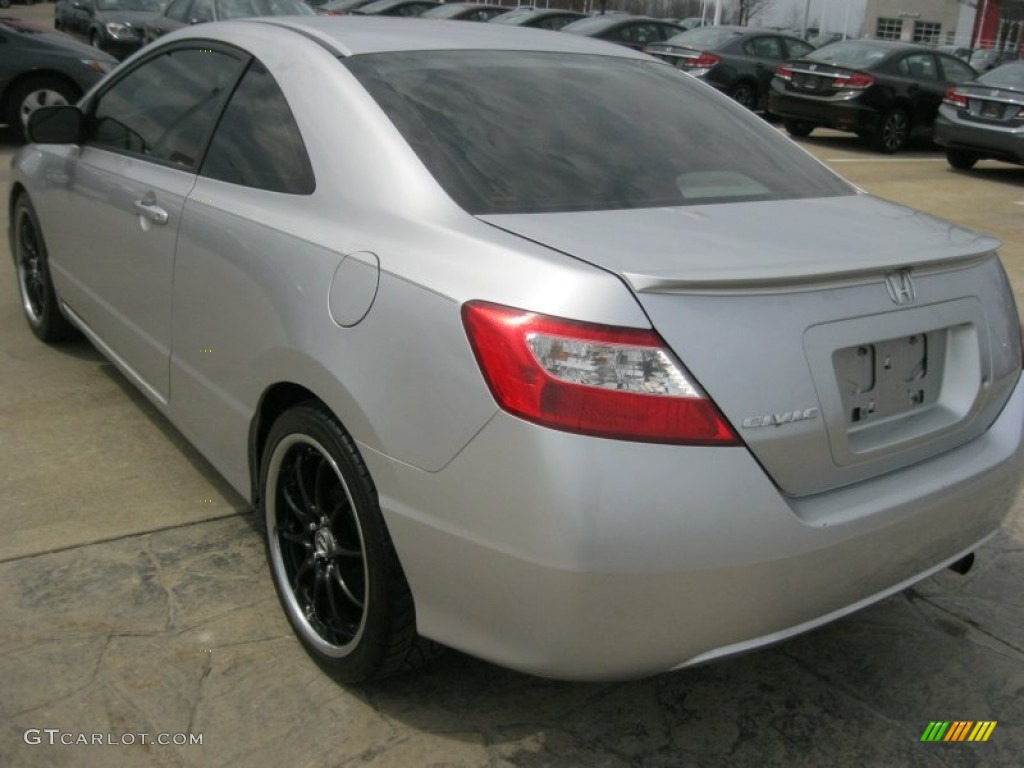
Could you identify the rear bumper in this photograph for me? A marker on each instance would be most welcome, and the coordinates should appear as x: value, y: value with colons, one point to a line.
x: 826, y: 112
x: 593, y: 559
x: 989, y: 141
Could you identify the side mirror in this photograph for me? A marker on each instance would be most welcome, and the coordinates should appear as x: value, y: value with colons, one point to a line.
x: 56, y: 125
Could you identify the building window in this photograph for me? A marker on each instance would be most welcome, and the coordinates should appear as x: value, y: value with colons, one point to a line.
x: 889, y: 29
x: 927, y: 32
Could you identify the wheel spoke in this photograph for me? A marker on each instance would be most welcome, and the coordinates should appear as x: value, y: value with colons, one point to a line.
x: 301, y: 571
x: 340, y: 581
x: 338, y: 623
x: 297, y: 537
x: 296, y: 508
x: 300, y: 481
x: 324, y: 482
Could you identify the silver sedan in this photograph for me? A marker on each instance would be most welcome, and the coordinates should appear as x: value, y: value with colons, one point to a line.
x: 524, y: 343
x: 984, y: 118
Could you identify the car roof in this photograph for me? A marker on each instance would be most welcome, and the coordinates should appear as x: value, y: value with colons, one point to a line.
x: 356, y: 35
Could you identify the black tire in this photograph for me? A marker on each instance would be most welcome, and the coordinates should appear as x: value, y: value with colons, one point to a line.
x: 39, y: 302
x: 798, y: 129
x: 893, y: 132
x: 961, y: 159
x: 35, y: 92
x: 332, y: 561
x: 745, y: 94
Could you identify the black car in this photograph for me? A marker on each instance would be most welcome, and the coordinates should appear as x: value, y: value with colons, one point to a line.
x: 635, y: 32
x: 39, y: 67
x: 881, y: 90
x: 737, y: 60
x: 395, y: 8
x: 465, y: 12
x: 182, y: 13
x: 541, y: 18
x: 114, y: 26
x: 984, y: 118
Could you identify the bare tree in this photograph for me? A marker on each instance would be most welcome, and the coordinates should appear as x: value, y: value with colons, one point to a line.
x: 747, y: 10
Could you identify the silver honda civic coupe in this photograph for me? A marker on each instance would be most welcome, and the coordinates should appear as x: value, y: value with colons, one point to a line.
x: 524, y: 343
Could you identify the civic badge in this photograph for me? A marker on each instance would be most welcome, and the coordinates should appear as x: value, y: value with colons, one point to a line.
x: 900, y: 286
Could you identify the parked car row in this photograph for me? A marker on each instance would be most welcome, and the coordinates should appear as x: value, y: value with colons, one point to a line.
x: 884, y: 91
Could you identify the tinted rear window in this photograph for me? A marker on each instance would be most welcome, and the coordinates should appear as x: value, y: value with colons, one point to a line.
x: 516, y: 132
x: 854, y: 54
x: 705, y: 37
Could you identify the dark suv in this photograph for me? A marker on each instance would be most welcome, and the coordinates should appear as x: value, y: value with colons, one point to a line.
x: 882, y: 91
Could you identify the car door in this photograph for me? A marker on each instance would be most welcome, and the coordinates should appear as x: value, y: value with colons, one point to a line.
x: 232, y: 296
x: 761, y: 54
x: 126, y: 189
x: 922, y: 89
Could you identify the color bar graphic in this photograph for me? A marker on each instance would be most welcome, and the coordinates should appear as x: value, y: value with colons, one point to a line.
x: 958, y: 730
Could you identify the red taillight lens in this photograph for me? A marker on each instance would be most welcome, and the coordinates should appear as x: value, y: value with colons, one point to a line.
x: 601, y: 380
x: 706, y: 60
x: 954, y: 98
x: 784, y: 72
x: 856, y: 80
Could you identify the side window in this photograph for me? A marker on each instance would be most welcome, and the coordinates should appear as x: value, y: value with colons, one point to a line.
x: 641, y: 34
x: 164, y: 108
x: 919, y: 66
x: 202, y: 10
x: 179, y: 10
x: 763, y: 48
x: 257, y: 143
x: 955, y: 71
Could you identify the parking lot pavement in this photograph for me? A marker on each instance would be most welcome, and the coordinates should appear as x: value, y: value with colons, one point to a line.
x: 135, y: 600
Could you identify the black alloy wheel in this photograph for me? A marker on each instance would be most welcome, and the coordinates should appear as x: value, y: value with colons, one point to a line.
x: 39, y: 301
x: 893, y: 132
x: 334, y: 567
x: 745, y: 94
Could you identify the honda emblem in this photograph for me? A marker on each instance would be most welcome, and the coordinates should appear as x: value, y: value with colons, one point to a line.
x: 900, y: 286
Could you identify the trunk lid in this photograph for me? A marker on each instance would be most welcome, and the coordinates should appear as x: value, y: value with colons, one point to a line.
x: 842, y: 337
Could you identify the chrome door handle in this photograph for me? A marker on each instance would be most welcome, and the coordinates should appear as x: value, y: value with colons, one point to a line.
x: 151, y: 211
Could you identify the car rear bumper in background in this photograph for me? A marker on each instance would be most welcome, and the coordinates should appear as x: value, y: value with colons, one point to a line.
x: 827, y: 112
x: 550, y: 567
x: 990, y: 140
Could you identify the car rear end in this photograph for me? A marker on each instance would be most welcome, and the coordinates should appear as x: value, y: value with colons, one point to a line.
x: 699, y: 52
x: 985, y: 117
x: 741, y: 436
x: 826, y: 95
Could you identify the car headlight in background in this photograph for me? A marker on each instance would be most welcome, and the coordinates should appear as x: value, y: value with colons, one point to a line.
x: 121, y: 31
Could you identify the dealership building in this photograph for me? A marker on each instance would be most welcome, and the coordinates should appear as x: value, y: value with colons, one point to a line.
x: 972, y: 24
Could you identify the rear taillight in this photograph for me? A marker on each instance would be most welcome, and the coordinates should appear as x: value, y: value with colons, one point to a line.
x: 601, y: 380
x: 705, y: 60
x: 954, y: 98
x: 855, y: 80
x: 784, y: 72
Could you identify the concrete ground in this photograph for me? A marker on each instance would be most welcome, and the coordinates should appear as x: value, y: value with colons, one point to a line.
x: 134, y: 599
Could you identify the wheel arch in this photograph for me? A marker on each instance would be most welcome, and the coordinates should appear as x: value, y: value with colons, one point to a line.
x: 275, y: 400
x: 17, y: 190
x: 34, y: 74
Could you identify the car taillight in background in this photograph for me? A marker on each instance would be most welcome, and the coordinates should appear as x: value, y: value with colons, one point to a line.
x: 855, y: 80
x: 954, y: 98
x: 601, y: 380
x: 784, y: 72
